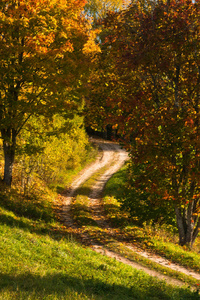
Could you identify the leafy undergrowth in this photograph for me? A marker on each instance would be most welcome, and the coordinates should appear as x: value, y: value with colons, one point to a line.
x: 155, y: 239
x: 39, y: 260
x: 115, y: 242
x: 81, y: 212
x: 162, y: 240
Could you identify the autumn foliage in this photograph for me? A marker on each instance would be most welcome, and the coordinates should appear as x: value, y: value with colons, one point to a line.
x: 150, y: 66
x: 43, y: 59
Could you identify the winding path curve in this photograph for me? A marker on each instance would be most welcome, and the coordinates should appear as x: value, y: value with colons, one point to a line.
x: 113, y: 157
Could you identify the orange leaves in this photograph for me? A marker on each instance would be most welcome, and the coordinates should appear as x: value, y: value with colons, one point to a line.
x: 41, y: 58
x: 189, y: 122
x: 80, y: 3
x: 45, y: 27
x: 40, y: 43
x: 91, y: 47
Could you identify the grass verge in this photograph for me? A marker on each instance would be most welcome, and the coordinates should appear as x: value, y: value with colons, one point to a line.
x: 38, y: 260
x: 35, y: 265
x: 123, y: 232
x: 159, y: 239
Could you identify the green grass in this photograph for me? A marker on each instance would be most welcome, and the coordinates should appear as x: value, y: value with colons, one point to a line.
x: 160, y: 239
x: 113, y: 243
x: 124, y: 251
x: 85, y: 189
x: 125, y: 230
x: 150, y: 238
x: 40, y: 260
x: 66, y: 177
x: 80, y: 211
x: 37, y: 266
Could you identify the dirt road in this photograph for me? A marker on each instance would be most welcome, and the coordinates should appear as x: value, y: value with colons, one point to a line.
x: 113, y: 157
x: 111, y: 154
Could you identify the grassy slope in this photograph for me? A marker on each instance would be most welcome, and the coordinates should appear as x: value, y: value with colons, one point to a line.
x: 159, y: 239
x: 40, y: 260
x: 151, y: 238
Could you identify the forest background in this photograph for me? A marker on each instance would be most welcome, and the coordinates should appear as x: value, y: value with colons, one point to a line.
x: 65, y: 65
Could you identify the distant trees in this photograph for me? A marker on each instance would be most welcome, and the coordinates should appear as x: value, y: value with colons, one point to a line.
x: 49, y: 151
x: 150, y: 79
x: 42, y: 63
x: 145, y: 81
x: 98, y: 9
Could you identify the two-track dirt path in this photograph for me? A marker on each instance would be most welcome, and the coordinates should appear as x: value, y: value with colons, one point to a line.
x: 112, y: 156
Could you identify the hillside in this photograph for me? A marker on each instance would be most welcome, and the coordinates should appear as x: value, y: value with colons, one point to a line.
x: 42, y: 258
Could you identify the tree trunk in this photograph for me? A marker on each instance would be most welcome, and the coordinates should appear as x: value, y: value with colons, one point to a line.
x: 188, y: 226
x: 181, y: 226
x: 9, y: 144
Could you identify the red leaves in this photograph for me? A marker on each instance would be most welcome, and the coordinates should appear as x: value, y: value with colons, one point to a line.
x: 189, y: 122
x: 155, y: 95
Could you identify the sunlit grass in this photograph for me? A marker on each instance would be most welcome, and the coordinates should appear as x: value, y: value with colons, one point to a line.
x: 81, y: 212
x: 85, y: 188
x: 111, y: 242
x: 124, y: 230
x: 67, y: 177
x: 38, y: 260
x: 121, y: 249
x: 160, y: 239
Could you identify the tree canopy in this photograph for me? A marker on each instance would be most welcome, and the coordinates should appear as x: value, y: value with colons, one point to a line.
x: 150, y: 77
x: 144, y: 81
x: 43, y: 58
x: 99, y: 8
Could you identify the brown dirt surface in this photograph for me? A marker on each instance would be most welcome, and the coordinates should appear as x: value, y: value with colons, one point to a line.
x: 112, y: 156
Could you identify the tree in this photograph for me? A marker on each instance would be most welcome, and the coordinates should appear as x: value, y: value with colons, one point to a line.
x: 46, y: 150
x: 98, y: 9
x: 152, y: 73
x: 96, y: 86
x: 42, y: 63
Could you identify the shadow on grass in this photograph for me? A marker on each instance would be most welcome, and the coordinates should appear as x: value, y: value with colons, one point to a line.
x: 82, y: 215
x: 85, y: 221
x: 83, y: 191
x: 11, y: 221
x: 27, y: 207
x: 50, y: 230
x: 116, y: 216
x: 60, y: 189
x: 62, y: 285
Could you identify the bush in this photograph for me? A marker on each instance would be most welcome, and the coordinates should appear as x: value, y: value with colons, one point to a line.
x: 51, y: 151
x: 140, y: 204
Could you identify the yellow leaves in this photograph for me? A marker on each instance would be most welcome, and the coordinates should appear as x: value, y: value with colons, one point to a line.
x: 37, y: 44
x: 39, y: 26
x: 138, y: 140
x: 42, y: 44
x: 68, y: 47
x: 91, y: 46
